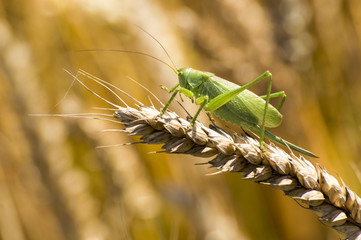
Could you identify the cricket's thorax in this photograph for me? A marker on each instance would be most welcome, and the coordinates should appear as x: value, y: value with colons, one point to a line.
x: 192, y: 79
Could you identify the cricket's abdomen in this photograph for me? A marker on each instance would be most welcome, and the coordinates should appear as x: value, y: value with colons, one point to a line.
x: 245, y: 120
x: 245, y: 110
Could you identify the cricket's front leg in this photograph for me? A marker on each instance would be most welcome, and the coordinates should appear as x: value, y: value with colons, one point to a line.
x: 168, y: 103
x: 170, y: 90
x: 176, y: 89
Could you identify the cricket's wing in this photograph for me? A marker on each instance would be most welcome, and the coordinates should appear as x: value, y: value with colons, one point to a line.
x: 244, y: 108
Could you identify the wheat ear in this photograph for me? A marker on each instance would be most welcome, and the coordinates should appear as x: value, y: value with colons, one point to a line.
x: 336, y: 205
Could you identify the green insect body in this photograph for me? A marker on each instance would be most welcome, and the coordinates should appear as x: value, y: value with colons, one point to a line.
x: 233, y: 103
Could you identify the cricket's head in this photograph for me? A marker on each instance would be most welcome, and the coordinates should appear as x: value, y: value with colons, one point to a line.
x: 190, y: 78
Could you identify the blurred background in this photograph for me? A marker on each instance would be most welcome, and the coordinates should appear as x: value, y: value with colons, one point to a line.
x: 55, y: 184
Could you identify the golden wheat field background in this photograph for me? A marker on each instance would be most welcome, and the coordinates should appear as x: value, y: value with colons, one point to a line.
x: 55, y: 184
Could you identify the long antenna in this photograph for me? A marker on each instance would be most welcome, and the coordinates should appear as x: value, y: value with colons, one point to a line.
x: 159, y: 43
x: 128, y: 51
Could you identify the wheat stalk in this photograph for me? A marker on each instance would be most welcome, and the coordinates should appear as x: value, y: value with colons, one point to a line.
x: 336, y: 205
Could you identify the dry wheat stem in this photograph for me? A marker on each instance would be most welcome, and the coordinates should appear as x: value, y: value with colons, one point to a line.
x: 336, y: 205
